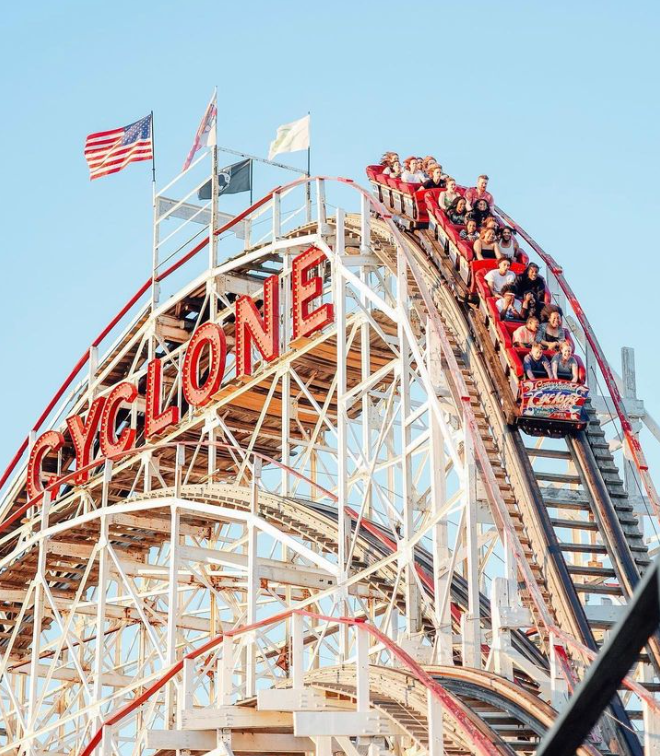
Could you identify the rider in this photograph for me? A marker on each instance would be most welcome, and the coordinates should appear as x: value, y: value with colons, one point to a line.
x: 478, y: 192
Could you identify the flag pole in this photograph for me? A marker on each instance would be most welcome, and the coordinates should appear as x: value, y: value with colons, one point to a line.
x: 153, y: 153
x: 214, y: 201
x: 308, y: 195
x: 154, y: 240
x: 309, y: 149
x: 214, y: 208
x: 251, y: 175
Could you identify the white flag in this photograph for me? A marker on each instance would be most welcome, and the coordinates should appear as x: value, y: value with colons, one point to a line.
x: 290, y: 137
x: 205, y: 136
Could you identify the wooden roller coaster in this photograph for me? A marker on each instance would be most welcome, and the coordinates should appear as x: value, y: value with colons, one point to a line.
x: 285, y: 507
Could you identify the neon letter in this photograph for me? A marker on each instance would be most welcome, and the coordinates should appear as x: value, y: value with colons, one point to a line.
x: 48, y: 441
x: 110, y: 444
x: 83, y: 434
x: 306, y: 289
x: 250, y: 326
x: 214, y: 336
x: 156, y: 421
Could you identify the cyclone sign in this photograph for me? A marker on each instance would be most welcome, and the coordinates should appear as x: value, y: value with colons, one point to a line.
x: 549, y: 399
x: 202, y: 373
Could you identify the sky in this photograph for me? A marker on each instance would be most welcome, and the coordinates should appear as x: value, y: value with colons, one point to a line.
x: 557, y: 102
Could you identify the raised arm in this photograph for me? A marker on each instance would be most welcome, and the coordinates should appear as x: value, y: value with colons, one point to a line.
x: 526, y: 303
x: 540, y: 336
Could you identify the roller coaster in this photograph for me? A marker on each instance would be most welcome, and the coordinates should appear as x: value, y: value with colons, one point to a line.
x: 289, y: 501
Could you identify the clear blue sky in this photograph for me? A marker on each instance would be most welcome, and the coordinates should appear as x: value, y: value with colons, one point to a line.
x: 557, y: 102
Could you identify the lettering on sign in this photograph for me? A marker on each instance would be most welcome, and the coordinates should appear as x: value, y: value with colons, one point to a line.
x: 549, y: 399
x: 206, y: 349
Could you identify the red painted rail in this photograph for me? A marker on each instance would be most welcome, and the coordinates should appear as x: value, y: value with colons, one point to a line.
x: 446, y: 699
x: 635, y: 448
x: 126, y: 308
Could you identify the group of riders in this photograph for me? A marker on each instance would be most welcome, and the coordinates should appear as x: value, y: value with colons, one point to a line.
x: 544, y: 344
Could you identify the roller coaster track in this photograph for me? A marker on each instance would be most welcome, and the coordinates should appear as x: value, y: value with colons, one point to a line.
x: 509, y: 708
x: 515, y: 720
x: 171, y: 529
x: 596, y: 486
x: 608, y: 530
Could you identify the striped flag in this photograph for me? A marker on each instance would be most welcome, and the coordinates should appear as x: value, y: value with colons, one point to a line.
x: 205, y: 136
x: 110, y: 151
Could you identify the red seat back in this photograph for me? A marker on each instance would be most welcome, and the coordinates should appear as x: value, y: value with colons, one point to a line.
x: 465, y: 248
x: 431, y: 202
x: 429, y: 195
x: 422, y: 198
x: 479, y: 270
x: 582, y: 372
x: 511, y: 325
x: 407, y: 188
x: 374, y: 170
x: 453, y: 231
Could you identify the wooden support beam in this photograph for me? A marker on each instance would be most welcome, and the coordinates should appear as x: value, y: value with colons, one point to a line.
x: 340, y: 723
x: 233, y: 717
x: 241, y: 741
x: 130, y: 614
x: 157, y: 524
x: 303, y: 699
x: 268, y: 569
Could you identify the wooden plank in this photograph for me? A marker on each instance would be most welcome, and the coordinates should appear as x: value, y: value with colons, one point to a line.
x: 337, y: 723
x: 270, y: 569
x: 548, y: 453
x: 75, y: 550
x: 233, y: 717
x: 241, y: 742
x: 157, y: 524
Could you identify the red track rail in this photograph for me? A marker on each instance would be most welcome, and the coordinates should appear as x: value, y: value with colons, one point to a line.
x: 126, y: 308
x: 446, y: 699
x: 634, y: 446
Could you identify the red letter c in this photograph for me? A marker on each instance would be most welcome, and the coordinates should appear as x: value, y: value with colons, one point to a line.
x: 49, y: 441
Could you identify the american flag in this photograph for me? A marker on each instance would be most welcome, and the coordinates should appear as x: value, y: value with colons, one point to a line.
x: 110, y: 151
